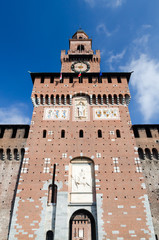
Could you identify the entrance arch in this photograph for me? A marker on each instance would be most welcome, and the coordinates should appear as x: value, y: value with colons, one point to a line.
x: 82, y: 226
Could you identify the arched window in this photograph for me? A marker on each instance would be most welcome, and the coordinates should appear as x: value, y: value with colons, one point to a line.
x: 68, y: 99
x: 80, y: 48
x: 99, y: 99
x: 8, y: 154
x: 49, y: 235
x: 118, y: 133
x: 52, y: 99
x: 44, y: 133
x: 15, y: 154
x: 155, y: 153
x: 115, y: 99
x: 110, y: 99
x: 57, y: 99
x: 120, y: 98
x: 1, y: 154
x: 147, y: 153
x: 104, y: 99
x: 46, y: 99
x: 99, y: 133
x: 127, y: 99
x: 41, y: 99
x: 141, y: 153
x: 36, y: 99
x: 94, y: 99
x: 81, y: 133
x: 22, y: 153
x: 62, y: 133
x: 62, y: 99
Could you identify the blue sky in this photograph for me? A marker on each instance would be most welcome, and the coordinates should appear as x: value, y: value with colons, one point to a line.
x: 34, y: 32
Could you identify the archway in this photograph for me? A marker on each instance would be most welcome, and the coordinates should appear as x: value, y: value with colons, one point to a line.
x: 82, y: 226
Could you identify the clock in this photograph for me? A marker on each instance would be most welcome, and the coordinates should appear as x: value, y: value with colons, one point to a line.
x: 80, y: 66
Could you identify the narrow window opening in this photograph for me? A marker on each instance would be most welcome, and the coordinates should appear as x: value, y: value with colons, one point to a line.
x: 22, y: 153
x: 80, y: 80
x: 148, y: 153
x: 118, y: 133
x: 99, y: 133
x: 42, y: 80
x: 14, y: 133
x: 71, y: 79
x: 15, y: 154
x: 1, y: 154
x: 62, y: 133
x: 119, y: 80
x: 81, y: 133
x: 148, y: 133
x: 141, y: 153
x: 49, y: 235
x: 109, y: 80
x: 8, y: 153
x: 52, y: 80
x: 44, y: 133
x: 90, y: 79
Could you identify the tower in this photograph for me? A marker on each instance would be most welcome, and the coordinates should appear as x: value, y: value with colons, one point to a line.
x: 81, y: 176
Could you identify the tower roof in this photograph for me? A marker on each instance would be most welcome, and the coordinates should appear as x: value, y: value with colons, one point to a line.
x: 80, y: 33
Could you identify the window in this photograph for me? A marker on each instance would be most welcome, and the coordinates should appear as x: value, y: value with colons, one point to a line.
x: 8, y: 154
x: 141, y: 153
x: 109, y: 80
x: 99, y: 133
x: 147, y: 153
x: 1, y: 154
x: 81, y: 133
x: 155, y: 153
x: 118, y: 133
x: 49, y: 235
x: 15, y: 154
x: 80, y: 48
x: 119, y: 80
x: 44, y: 133
x: 14, y: 133
x: 99, y: 99
x: 90, y: 79
x: 42, y: 80
x: 62, y: 99
x: 80, y: 80
x: 62, y: 133
x: 47, y: 99
x: 22, y: 153
x: 52, y: 80
x: 148, y: 133
x: 71, y: 79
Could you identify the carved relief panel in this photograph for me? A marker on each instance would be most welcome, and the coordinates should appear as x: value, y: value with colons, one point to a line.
x: 81, y: 181
x: 80, y: 109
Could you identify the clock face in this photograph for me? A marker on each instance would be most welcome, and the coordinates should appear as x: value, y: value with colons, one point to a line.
x: 80, y: 67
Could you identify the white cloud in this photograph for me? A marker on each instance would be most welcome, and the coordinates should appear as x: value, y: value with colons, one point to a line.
x: 106, y: 3
x: 145, y: 80
x: 101, y: 28
x: 14, y: 114
x: 115, y: 58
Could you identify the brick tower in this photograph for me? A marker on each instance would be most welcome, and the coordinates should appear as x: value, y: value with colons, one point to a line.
x: 81, y: 177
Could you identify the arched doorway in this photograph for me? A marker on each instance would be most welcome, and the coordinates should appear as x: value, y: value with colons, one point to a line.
x: 82, y: 226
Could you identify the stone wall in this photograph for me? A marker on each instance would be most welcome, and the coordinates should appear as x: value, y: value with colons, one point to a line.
x: 12, y: 143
